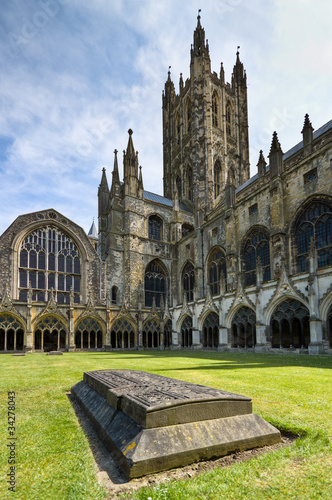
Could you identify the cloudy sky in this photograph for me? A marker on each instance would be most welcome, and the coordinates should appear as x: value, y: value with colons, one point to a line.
x: 76, y: 75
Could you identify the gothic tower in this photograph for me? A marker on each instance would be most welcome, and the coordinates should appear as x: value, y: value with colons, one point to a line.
x: 205, y: 131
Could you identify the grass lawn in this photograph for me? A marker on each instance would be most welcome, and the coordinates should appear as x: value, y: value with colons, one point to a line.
x: 53, y: 460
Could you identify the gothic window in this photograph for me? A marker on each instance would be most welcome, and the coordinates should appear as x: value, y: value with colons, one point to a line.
x: 217, y: 179
x: 211, y: 330
x: 215, y: 109
x: 228, y: 119
x: 155, y: 227
x: 155, y: 283
x: 50, y: 334
x: 49, y: 259
x: 88, y: 334
x: 244, y: 328
x: 217, y: 265
x: 188, y: 280
x: 187, y: 332
x: 11, y: 333
x: 186, y: 229
x: 114, y: 294
x: 122, y: 334
x: 190, y: 183
x: 257, y: 245
x: 151, y: 333
x: 290, y: 325
x: 315, y: 223
x: 188, y: 116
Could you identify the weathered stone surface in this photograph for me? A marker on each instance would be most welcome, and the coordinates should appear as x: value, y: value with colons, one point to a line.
x: 57, y: 353
x: 153, y: 423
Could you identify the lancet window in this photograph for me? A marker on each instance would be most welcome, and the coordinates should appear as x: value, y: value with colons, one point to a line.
x: 257, y: 245
x: 188, y: 280
x: 217, y: 266
x: 155, y: 284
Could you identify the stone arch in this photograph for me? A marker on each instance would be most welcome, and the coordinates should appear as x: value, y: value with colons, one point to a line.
x: 243, y: 327
x: 188, y: 279
x: 123, y: 333
x: 275, y: 303
x: 12, y: 332
x: 186, y: 332
x: 215, y: 264
x: 37, y: 226
x: 218, y: 181
x: 151, y: 333
x: 50, y: 333
x: 256, y: 243
x: 210, y: 330
x: 155, y: 227
x: 155, y: 283
x: 289, y: 324
x: 215, y: 109
x: 313, y: 220
x: 89, y: 333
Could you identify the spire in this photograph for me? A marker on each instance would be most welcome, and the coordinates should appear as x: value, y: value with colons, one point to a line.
x: 239, y: 75
x: 93, y: 233
x: 222, y: 73
x: 140, y: 184
x: 103, y: 194
x: 276, y: 156
x: 130, y: 167
x: 180, y: 83
x: 200, y: 47
x: 261, y: 165
x: 116, y: 178
x: 308, y: 136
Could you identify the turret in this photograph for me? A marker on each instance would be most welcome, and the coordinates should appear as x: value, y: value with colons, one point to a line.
x: 115, y: 187
x: 276, y: 156
x: 103, y: 208
x: 307, y: 133
x: 130, y: 168
x: 261, y: 165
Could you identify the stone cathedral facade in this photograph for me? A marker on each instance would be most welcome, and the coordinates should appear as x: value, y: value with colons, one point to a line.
x: 220, y: 261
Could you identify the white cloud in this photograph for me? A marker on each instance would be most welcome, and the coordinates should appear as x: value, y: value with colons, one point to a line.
x: 70, y: 92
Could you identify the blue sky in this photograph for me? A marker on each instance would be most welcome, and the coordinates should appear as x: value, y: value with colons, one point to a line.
x: 77, y: 75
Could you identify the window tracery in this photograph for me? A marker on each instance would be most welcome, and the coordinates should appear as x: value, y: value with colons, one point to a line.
x: 188, y: 280
x: 155, y: 227
x: 217, y: 265
x: 257, y: 245
x: 49, y: 259
x: 314, y: 223
x: 215, y: 109
x: 217, y: 179
x: 155, y: 284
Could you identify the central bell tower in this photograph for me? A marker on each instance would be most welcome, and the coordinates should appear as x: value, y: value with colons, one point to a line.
x: 205, y: 131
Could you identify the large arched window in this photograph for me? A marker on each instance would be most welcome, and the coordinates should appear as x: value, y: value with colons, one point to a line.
x: 217, y: 179
x: 49, y: 259
x: 215, y: 107
x: 228, y: 119
x: 155, y: 283
x: 211, y: 330
x: 50, y: 334
x: 155, y: 227
x: 217, y: 264
x: 188, y: 280
x: 11, y: 333
x: 187, y: 332
x: 314, y: 222
x: 122, y: 334
x: 256, y: 245
x: 290, y: 325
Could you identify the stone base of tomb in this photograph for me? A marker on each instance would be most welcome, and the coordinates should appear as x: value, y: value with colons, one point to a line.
x: 152, y: 423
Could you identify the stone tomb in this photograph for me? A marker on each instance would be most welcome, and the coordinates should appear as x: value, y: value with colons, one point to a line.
x: 153, y: 423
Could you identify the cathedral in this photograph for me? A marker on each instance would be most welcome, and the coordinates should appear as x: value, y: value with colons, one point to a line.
x: 222, y: 261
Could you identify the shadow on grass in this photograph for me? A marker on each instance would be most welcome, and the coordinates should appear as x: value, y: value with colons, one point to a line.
x: 225, y: 360
x: 102, y: 456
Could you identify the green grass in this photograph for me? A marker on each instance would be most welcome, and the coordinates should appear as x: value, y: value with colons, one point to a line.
x: 53, y: 457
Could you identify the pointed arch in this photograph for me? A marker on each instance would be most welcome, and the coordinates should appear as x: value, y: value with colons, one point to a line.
x: 211, y: 330
x: 188, y: 280
x: 50, y: 333
x: 12, y: 332
x: 186, y: 332
x: 289, y: 324
x: 89, y: 333
x: 216, y: 265
x: 313, y: 222
x: 256, y: 244
x: 155, y: 283
x: 177, y: 127
x: 155, y: 227
x: 243, y: 327
x: 123, y: 333
x: 189, y: 179
x: 151, y: 333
